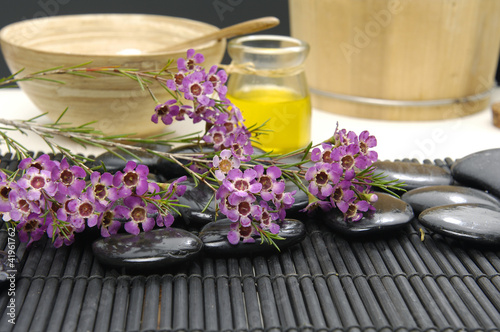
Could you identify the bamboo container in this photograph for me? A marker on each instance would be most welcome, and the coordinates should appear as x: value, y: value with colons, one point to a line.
x: 399, y: 59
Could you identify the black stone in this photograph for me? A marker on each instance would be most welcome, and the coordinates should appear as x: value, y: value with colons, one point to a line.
x: 432, y: 196
x: 9, y: 268
x: 479, y: 170
x: 114, y: 163
x: 391, y: 213
x: 148, y: 251
x: 214, y: 237
x: 471, y: 222
x: 197, y: 198
x: 414, y: 175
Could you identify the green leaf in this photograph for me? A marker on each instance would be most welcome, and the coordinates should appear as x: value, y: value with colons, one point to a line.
x: 60, y: 116
x: 47, y: 70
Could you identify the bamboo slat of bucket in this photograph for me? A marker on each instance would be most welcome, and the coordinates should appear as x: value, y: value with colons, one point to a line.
x: 402, y: 50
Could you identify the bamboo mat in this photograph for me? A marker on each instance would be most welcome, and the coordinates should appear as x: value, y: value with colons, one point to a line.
x: 325, y: 283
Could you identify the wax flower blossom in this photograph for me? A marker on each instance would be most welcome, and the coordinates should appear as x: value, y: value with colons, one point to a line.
x: 49, y: 197
x: 339, y: 177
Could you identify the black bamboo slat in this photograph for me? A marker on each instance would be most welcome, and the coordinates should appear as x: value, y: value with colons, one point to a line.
x: 397, y: 282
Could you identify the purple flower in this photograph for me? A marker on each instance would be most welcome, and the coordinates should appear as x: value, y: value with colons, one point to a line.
x: 338, y: 197
x: 346, y: 138
x: 284, y: 202
x: 270, y: 186
x: 242, y: 184
x: 85, y: 211
x: 137, y: 212
x: 176, y: 188
x: 194, y: 87
x: 32, y: 228
x: 216, y: 136
x: 107, y: 223
x: 69, y: 178
x: 224, y: 164
x: 366, y: 141
x: 242, y: 209
x: 188, y: 64
x: 267, y: 219
x: 199, y: 113
x: 218, y: 80
x: 134, y: 177
x: 321, y: 176
x: 42, y: 163
x: 239, y: 232
x: 166, y: 112
x: 353, y: 208
x: 21, y: 205
x: 35, y: 180
x: 101, y: 188
x: 5, y: 189
x: 241, y: 145
x: 324, y: 154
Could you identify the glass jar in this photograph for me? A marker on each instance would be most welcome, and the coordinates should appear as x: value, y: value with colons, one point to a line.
x: 268, y: 84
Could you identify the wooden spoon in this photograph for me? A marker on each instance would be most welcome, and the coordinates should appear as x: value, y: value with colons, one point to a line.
x: 243, y: 28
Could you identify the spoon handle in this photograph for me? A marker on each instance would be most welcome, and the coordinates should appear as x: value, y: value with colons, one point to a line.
x: 246, y: 27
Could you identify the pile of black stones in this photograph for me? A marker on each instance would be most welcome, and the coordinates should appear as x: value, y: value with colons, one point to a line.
x: 463, y: 204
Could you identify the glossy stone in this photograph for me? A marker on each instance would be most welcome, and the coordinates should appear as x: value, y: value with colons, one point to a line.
x: 414, y: 175
x: 197, y: 198
x: 114, y: 163
x: 391, y: 213
x: 427, y: 197
x: 151, y: 251
x: 471, y: 222
x: 214, y: 237
x: 479, y: 170
x: 9, y: 269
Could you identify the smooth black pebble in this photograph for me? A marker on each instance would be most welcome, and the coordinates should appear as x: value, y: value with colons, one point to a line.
x: 471, y: 222
x: 479, y: 170
x: 201, y: 204
x: 152, y: 251
x: 154, y: 162
x: 426, y: 197
x: 414, y: 175
x: 391, y: 213
x: 214, y: 237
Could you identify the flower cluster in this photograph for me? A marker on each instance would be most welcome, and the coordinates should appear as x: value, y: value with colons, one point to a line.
x: 58, y: 199
x: 254, y: 199
x: 253, y: 196
x: 335, y: 180
x: 207, y: 92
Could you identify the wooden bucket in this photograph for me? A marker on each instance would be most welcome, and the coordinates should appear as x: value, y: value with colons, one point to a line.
x: 399, y: 59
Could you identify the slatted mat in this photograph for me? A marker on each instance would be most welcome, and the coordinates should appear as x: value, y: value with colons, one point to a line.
x: 325, y: 283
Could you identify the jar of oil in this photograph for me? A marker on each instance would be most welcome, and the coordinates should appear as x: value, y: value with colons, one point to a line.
x: 268, y: 84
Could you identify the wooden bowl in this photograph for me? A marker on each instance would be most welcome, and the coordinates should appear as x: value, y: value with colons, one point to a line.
x: 126, y: 40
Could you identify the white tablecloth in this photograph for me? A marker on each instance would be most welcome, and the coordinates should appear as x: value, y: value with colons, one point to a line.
x: 454, y: 138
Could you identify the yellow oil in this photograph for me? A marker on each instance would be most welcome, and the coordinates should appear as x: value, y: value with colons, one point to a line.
x: 288, y: 116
